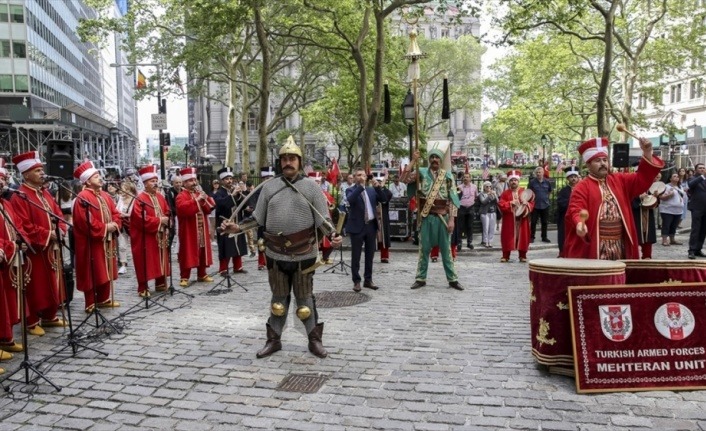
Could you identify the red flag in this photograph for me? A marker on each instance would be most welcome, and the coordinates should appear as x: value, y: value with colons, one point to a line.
x: 141, y: 80
x: 333, y: 173
x: 486, y: 171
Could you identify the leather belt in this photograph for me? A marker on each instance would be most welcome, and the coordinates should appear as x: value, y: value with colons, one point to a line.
x: 296, y: 243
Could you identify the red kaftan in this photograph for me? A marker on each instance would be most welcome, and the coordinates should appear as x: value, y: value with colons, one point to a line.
x: 515, y: 232
x: 149, y: 242
x: 8, y: 294
x: 193, y: 229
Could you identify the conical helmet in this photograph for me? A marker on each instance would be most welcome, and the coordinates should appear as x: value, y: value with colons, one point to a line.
x: 290, y: 147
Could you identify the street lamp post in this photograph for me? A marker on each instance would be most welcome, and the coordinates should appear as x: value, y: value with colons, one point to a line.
x: 487, y: 152
x: 672, y: 148
x: 450, y: 137
x: 272, y: 145
x: 161, y: 108
x: 544, y: 140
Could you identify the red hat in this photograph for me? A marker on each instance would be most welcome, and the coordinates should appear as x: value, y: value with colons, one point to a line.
x: 3, y: 170
x: 148, y: 172
x: 594, y: 147
x: 27, y: 161
x: 316, y: 176
x: 514, y: 175
x: 187, y: 174
x: 85, y: 171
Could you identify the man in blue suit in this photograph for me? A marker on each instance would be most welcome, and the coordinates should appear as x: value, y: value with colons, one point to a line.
x: 362, y: 226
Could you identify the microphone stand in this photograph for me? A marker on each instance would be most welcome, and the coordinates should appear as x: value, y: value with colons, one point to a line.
x: 18, y: 262
x: 148, y: 299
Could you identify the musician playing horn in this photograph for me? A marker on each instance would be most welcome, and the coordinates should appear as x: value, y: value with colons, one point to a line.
x: 609, y: 232
x: 295, y: 215
x: 149, y: 237
x: 227, y: 198
x: 43, y: 268
x: 515, y: 208
x: 96, y: 225
x: 193, y: 207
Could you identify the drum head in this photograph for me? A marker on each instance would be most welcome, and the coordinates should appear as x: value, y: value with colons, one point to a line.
x: 527, y: 195
x: 657, y: 187
x: 648, y: 201
x: 520, y: 211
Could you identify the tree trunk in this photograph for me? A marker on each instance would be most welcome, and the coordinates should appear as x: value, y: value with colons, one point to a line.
x: 264, y: 89
x: 245, y: 162
x: 231, y: 141
x: 602, y: 101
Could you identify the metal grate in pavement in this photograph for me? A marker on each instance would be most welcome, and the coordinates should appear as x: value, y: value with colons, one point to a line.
x: 304, y: 383
x: 333, y: 299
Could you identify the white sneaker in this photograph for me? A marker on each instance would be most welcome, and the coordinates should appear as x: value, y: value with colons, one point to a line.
x: 122, y: 270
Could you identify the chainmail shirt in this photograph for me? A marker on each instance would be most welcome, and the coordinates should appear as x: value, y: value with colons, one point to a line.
x: 282, y: 210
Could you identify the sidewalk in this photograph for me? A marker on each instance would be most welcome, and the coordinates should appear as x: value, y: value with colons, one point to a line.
x: 428, y: 359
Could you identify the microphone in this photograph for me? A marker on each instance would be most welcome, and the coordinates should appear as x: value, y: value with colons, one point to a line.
x: 52, y: 178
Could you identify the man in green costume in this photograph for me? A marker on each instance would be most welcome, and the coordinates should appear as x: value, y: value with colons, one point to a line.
x: 437, y: 203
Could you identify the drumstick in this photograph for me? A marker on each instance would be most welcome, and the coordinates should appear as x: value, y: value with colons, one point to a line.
x: 620, y: 127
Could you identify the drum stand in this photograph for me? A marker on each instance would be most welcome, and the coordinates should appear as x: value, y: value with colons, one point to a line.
x: 341, y: 265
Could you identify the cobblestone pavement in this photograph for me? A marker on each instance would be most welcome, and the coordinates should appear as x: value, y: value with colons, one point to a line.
x: 430, y: 359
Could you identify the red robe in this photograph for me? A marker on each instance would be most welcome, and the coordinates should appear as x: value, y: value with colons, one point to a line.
x: 587, y: 195
x: 9, y: 315
x: 515, y: 233
x: 43, y: 295
x: 94, y: 244
x: 149, y: 248
x: 193, y: 229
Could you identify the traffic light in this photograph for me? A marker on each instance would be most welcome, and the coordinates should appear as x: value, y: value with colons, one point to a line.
x: 164, y: 140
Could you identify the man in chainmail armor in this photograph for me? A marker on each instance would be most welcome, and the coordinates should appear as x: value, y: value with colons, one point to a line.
x: 295, y: 215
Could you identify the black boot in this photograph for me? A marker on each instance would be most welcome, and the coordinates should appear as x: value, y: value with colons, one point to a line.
x: 315, y: 345
x: 273, y: 343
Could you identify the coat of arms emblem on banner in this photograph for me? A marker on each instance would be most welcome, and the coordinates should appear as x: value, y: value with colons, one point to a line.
x: 616, y: 321
x: 674, y: 321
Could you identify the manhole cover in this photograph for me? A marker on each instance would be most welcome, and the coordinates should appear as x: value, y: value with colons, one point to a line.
x: 304, y: 383
x: 333, y: 299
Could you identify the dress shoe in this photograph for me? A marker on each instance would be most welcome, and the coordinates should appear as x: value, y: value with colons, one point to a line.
x: 205, y: 279
x: 434, y: 259
x: 5, y: 356
x: 545, y: 240
x: 504, y: 260
x: 184, y: 282
x: 470, y: 246
x: 144, y: 294
x: 384, y: 261
x: 56, y: 323
x: 456, y: 285
x: 523, y: 259
x: 356, y: 287
x: 417, y: 284
x: 37, y: 330
x: 12, y: 347
x: 240, y: 270
x: 109, y: 304
x: 692, y: 256
x: 90, y: 309
x: 161, y: 288
x: 699, y: 253
x: 370, y: 285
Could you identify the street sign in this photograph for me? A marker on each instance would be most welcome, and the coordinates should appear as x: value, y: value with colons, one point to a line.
x: 159, y: 121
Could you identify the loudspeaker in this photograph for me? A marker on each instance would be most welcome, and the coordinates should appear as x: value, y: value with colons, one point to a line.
x: 621, y: 155
x: 205, y: 175
x: 60, y: 158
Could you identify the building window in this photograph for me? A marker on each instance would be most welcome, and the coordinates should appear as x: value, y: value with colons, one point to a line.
x: 6, y: 84
x: 18, y: 49
x: 4, y: 17
x: 642, y: 101
x: 432, y: 32
x: 21, y: 83
x: 675, y: 93
x: 252, y: 122
x: 17, y: 13
x: 695, y: 89
x: 5, y: 48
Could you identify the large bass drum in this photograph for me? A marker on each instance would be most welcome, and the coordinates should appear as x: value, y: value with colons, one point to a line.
x: 549, y: 304
x: 664, y: 271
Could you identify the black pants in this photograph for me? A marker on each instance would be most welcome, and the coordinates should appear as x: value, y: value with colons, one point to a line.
x: 544, y: 215
x: 365, y: 238
x: 464, y: 224
x: 698, y: 230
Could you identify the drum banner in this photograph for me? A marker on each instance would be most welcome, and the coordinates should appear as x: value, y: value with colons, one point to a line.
x: 639, y: 337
